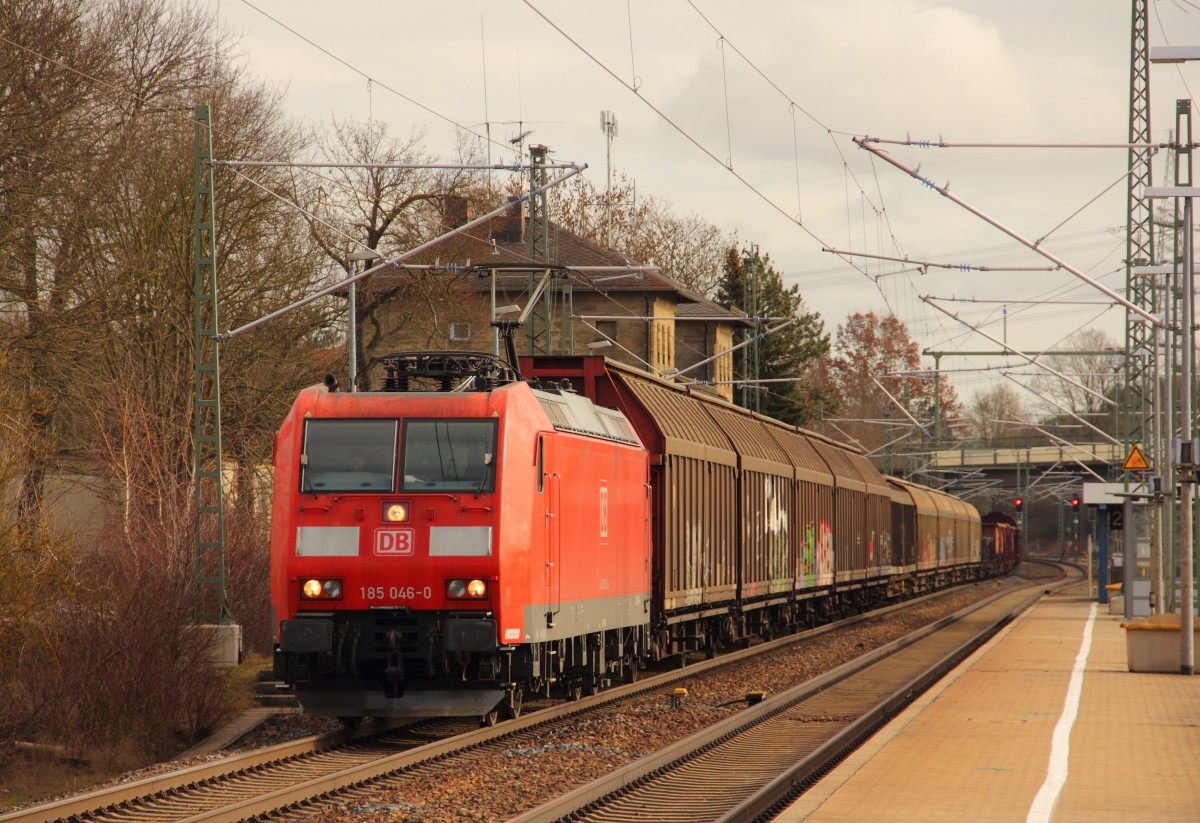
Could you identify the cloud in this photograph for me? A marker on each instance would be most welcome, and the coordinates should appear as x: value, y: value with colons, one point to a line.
x: 960, y: 70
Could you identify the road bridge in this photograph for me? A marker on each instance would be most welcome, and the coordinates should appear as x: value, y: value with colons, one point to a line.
x: 1100, y: 456
x: 1045, y: 477
x: 990, y: 476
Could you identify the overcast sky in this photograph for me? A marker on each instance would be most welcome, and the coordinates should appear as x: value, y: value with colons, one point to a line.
x: 779, y: 101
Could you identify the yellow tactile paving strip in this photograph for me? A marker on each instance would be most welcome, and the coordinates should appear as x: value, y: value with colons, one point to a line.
x: 977, y: 746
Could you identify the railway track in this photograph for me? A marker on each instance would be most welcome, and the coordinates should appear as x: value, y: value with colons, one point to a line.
x: 199, y: 790
x: 753, y: 764
x: 294, y: 779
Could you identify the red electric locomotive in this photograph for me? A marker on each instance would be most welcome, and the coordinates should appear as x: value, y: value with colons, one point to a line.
x: 421, y: 564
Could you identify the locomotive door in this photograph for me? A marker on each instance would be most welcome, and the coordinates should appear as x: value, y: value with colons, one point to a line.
x: 550, y: 483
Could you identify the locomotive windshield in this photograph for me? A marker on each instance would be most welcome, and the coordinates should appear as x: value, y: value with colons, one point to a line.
x: 449, y: 455
x: 348, y: 456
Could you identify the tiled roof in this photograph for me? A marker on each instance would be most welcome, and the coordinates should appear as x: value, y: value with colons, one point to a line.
x: 567, y: 250
x: 708, y: 310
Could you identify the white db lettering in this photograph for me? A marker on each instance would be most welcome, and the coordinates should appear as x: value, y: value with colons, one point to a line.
x: 394, y: 541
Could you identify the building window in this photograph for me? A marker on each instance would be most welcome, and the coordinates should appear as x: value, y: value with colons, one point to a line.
x: 460, y: 332
x: 607, y: 330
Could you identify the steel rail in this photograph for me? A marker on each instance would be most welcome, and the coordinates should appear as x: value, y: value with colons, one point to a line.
x: 789, y: 784
x: 122, y: 802
x: 300, y: 795
x: 591, y: 798
x: 125, y: 793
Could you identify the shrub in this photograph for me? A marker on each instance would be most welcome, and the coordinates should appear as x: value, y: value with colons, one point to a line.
x: 111, y: 666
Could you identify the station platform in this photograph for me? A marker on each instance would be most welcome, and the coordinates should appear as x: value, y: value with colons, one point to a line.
x: 1043, y: 723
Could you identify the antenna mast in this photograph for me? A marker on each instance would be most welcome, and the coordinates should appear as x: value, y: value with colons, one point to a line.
x: 608, y: 126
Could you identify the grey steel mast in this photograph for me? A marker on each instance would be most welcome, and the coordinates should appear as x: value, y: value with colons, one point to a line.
x: 208, y: 502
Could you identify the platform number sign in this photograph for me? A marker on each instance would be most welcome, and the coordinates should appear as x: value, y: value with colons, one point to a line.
x: 603, y: 511
x: 1116, y: 520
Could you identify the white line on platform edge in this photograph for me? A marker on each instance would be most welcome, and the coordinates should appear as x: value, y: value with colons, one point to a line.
x: 1060, y: 749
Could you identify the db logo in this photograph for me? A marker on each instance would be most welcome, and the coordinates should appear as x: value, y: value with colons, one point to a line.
x: 394, y: 541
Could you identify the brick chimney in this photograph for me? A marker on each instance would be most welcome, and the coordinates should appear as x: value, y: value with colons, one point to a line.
x: 514, y: 221
x: 456, y: 211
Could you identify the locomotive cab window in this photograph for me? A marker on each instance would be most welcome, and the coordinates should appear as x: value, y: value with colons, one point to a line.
x: 348, y: 456
x: 449, y: 455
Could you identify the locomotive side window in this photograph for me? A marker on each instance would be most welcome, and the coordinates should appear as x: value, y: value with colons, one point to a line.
x: 541, y: 465
x: 449, y: 455
x: 348, y: 456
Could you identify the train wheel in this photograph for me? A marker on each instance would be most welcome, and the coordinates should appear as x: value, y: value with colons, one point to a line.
x: 512, y: 703
x: 490, y: 719
x: 575, y: 689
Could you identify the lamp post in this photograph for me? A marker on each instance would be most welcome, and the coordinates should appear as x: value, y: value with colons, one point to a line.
x: 352, y: 300
x: 1162, y: 352
x: 1187, y: 649
x: 1184, y: 191
x: 1185, y: 456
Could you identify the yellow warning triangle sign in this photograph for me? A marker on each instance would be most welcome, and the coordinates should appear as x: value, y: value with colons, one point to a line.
x: 1136, y: 461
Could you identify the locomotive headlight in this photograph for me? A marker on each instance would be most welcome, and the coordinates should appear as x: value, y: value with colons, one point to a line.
x: 329, y: 589
x: 460, y: 589
x: 395, y: 512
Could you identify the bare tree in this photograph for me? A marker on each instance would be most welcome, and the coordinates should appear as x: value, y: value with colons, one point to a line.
x: 689, y: 249
x: 385, y: 210
x: 1093, y: 361
x: 135, y: 278
x: 97, y: 284
x: 96, y: 348
x: 52, y: 75
x: 992, y: 418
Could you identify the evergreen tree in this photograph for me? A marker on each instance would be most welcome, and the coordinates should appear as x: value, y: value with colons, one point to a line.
x: 790, y: 354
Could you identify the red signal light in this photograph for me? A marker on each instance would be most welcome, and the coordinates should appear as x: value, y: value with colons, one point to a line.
x: 1019, y: 503
x: 1075, y: 503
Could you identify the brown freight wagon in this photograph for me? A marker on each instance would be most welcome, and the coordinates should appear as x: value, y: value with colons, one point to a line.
x: 812, y: 532
x: 947, y: 534
x: 766, y: 506
x: 758, y: 525
x: 904, y: 528
x: 878, y: 515
x: 958, y: 533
